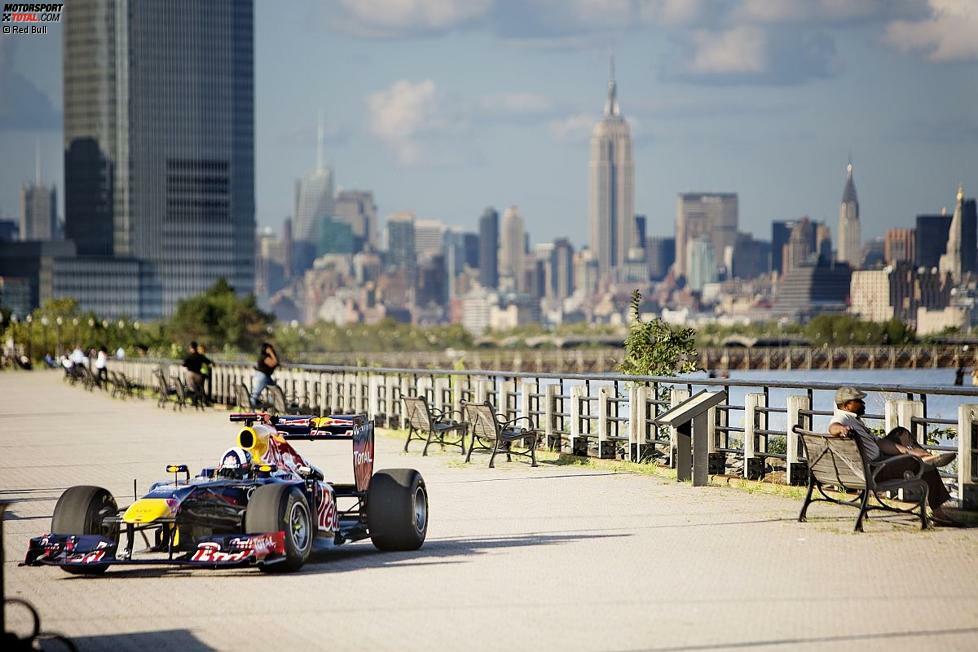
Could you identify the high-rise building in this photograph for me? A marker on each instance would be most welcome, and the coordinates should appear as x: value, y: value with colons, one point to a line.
x: 585, y: 272
x: 512, y: 248
x: 951, y: 262
x: 159, y: 144
x: 812, y: 288
x: 969, y: 236
x: 699, y: 214
x: 400, y: 241
x: 932, y: 234
x: 780, y: 234
x: 489, y: 248
x: 335, y: 237
x: 701, y: 263
x: 38, y: 212
x: 661, y: 254
x: 747, y: 259
x: 641, y: 230
x: 850, y: 242
x: 612, y: 189
x: 874, y: 253
x: 560, y: 270
x: 429, y: 238
x: 470, y: 249
x: 900, y: 245
x: 801, y: 246
x: 357, y: 208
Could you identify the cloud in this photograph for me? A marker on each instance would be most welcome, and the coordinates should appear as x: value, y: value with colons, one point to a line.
x: 22, y: 105
x: 740, y: 50
x: 784, y: 11
x: 749, y: 54
x: 950, y: 33
x: 412, y: 117
x: 404, y: 18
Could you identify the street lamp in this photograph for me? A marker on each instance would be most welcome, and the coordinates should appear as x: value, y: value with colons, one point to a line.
x: 44, y: 329
x: 59, y: 321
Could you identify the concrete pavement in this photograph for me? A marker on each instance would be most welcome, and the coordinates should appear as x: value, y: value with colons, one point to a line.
x: 556, y: 557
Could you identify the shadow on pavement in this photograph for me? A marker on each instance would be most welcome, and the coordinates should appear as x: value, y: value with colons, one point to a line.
x: 363, y: 555
x: 168, y: 639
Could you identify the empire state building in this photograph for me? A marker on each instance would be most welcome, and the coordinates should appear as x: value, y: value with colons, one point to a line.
x: 612, y: 187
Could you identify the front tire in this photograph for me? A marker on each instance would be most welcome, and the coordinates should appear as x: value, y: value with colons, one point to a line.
x: 278, y: 508
x: 397, y: 509
x: 80, y: 511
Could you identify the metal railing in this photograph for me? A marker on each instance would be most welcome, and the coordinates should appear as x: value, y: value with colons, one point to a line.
x: 616, y: 416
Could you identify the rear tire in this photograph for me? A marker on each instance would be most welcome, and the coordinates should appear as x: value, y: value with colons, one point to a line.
x: 397, y: 509
x: 278, y: 508
x: 80, y: 511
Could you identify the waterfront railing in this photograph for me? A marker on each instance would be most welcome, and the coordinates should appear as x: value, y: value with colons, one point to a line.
x: 616, y: 415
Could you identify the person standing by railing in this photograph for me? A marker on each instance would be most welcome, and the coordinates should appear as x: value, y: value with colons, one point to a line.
x: 267, y: 364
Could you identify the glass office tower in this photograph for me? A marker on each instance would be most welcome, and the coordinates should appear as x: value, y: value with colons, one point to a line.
x: 159, y: 139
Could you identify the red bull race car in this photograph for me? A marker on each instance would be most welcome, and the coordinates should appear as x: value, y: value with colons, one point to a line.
x: 263, y: 505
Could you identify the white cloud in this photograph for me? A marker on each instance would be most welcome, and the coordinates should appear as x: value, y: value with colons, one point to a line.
x: 950, y: 33
x: 574, y: 128
x: 399, y: 115
x: 391, y: 18
x: 737, y: 51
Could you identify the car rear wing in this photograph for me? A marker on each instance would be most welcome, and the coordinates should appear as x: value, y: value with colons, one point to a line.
x: 338, y: 427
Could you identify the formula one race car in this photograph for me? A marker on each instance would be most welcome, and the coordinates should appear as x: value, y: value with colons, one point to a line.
x: 263, y: 505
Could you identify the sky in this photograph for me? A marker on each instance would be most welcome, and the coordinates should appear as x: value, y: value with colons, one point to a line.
x: 444, y: 107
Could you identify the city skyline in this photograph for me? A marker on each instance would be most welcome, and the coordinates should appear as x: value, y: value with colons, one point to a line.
x: 432, y: 133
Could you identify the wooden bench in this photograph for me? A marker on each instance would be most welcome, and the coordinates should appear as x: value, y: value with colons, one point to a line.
x: 495, y: 434
x: 842, y: 463
x: 426, y: 423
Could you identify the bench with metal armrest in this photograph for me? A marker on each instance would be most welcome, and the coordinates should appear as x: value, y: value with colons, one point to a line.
x: 492, y: 433
x: 428, y: 424
x: 842, y: 463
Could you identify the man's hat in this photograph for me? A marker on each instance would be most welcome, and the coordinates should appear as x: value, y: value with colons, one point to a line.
x: 845, y: 394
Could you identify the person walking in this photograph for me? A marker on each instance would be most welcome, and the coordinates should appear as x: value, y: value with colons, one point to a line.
x: 102, y: 365
x: 267, y: 364
x: 194, y: 363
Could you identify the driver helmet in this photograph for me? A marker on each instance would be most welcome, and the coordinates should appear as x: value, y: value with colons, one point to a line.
x: 236, y: 458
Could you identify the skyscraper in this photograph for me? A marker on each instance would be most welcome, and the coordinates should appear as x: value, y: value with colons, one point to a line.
x: 429, y: 238
x: 850, y: 242
x: 661, y: 253
x: 357, y: 208
x: 899, y: 245
x: 512, y: 248
x: 400, y: 241
x: 932, y: 234
x: 699, y: 214
x: 489, y: 248
x: 159, y: 143
x: 561, y: 282
x: 951, y: 261
x: 612, y: 191
x: 38, y: 212
x: 313, y: 203
x: 701, y: 261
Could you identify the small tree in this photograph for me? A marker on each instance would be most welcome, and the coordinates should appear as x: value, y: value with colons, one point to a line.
x: 655, y: 348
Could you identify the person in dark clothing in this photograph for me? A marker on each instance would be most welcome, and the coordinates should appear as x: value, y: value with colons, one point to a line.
x: 193, y: 363
x: 266, y: 366
x: 959, y: 376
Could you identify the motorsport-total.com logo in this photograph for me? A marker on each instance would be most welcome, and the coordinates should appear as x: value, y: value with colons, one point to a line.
x: 25, y: 18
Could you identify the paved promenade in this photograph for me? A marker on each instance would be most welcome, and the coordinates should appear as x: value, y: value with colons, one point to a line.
x: 517, y: 558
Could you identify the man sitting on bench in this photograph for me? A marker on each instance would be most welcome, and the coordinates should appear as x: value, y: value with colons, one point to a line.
x: 847, y: 422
